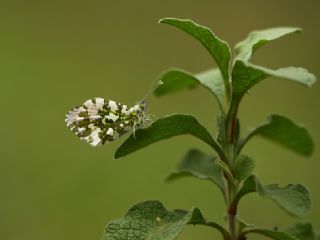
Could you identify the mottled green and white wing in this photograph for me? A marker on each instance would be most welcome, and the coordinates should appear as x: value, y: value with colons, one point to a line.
x: 99, y: 121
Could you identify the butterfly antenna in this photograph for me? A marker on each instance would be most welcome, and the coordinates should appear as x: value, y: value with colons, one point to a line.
x: 158, y: 84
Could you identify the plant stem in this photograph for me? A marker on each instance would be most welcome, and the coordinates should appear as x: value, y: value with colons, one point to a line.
x: 232, y: 210
x: 232, y: 213
x: 229, y: 143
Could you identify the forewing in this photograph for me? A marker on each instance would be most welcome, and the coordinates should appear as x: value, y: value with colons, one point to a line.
x: 99, y: 121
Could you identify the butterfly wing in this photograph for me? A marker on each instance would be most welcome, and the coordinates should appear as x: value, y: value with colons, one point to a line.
x: 99, y: 121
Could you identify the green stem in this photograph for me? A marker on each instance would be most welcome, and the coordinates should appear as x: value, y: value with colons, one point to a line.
x: 232, y: 210
x: 229, y: 147
x: 232, y: 222
x: 228, y: 92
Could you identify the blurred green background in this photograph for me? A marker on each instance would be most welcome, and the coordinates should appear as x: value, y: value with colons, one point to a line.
x: 57, y: 54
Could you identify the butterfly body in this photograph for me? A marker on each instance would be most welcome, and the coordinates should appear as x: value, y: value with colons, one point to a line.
x: 99, y: 121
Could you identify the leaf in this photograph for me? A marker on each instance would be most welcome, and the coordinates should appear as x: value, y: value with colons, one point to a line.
x: 243, y: 168
x: 294, y: 198
x: 251, y: 184
x: 257, y: 39
x: 151, y: 221
x: 176, y: 79
x: 166, y: 127
x: 217, y: 48
x: 246, y: 75
x: 200, y: 165
x: 242, y: 225
x: 225, y: 168
x: 277, y: 235
x: 213, y: 80
x: 285, y: 132
x: 302, y: 231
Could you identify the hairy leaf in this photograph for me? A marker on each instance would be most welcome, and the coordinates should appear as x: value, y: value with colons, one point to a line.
x: 242, y: 225
x: 285, y: 132
x: 257, y: 39
x: 244, y: 166
x: 176, y: 79
x: 150, y: 220
x: 246, y: 75
x: 213, y: 80
x: 251, y: 184
x: 302, y: 231
x: 200, y: 165
x: 218, y: 48
x: 166, y: 127
x: 277, y: 235
x: 294, y: 198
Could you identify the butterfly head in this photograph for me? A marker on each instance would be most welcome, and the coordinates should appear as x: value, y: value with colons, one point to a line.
x: 141, y: 110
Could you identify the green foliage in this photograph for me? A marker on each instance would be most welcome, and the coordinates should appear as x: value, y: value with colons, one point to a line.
x: 294, y: 198
x: 199, y: 165
x: 230, y: 170
x: 217, y: 48
x: 302, y: 231
x: 170, y: 126
x: 285, y: 132
x: 257, y: 39
x: 243, y: 226
x: 276, y: 235
x: 243, y: 168
x: 245, y: 75
x: 175, y: 80
x: 150, y: 220
x: 250, y: 185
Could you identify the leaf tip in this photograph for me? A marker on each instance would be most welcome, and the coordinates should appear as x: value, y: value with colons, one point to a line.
x: 160, y: 20
x: 117, y: 155
x: 165, y: 19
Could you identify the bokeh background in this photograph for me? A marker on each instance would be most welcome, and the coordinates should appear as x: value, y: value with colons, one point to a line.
x: 57, y: 54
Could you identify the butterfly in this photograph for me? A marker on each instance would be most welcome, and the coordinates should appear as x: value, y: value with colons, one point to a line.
x: 98, y: 121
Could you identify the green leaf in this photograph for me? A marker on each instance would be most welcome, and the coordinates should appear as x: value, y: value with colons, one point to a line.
x: 294, y: 198
x: 213, y: 81
x: 251, y: 184
x: 246, y: 75
x: 257, y: 39
x: 302, y: 231
x: 166, y: 127
x: 176, y: 79
x: 218, y: 48
x: 277, y: 235
x: 226, y: 169
x: 150, y: 220
x: 243, y: 225
x: 200, y: 165
x: 285, y: 132
x: 243, y: 168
